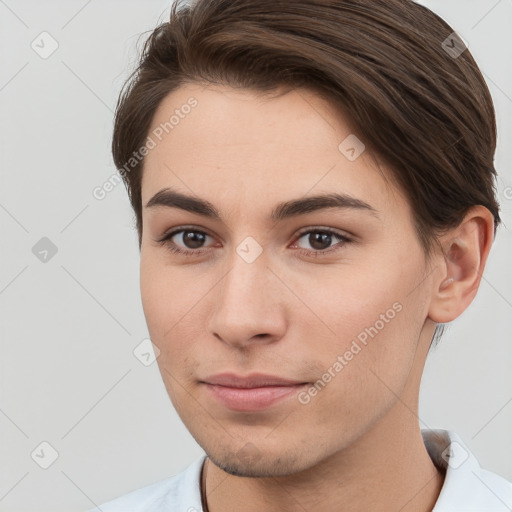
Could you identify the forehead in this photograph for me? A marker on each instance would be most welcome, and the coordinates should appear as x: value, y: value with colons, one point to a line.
x: 237, y: 147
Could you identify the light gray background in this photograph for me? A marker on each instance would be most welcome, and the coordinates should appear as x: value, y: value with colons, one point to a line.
x: 69, y: 326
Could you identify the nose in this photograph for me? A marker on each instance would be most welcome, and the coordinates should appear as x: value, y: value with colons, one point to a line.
x: 248, y: 304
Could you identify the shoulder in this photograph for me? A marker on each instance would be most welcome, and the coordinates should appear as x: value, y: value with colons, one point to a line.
x: 467, y: 487
x: 180, y: 492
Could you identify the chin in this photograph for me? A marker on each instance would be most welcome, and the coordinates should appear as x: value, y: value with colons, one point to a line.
x: 250, y: 462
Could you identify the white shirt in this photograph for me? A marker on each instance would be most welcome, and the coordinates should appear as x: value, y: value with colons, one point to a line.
x: 467, y: 487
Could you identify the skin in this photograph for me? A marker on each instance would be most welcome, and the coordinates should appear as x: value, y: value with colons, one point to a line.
x: 356, y: 445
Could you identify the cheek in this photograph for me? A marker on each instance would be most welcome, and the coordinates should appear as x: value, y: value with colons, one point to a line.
x: 374, y: 321
x: 154, y: 296
x: 159, y: 308
x: 361, y: 376
x: 354, y: 304
x: 164, y: 297
x: 170, y: 302
x: 165, y: 312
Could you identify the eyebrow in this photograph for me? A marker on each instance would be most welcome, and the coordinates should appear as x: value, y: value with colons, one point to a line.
x: 169, y: 198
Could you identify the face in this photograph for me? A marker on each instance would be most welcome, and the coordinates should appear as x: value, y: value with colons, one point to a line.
x: 333, y: 298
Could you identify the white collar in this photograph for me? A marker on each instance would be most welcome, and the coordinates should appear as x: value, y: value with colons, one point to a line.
x: 467, y: 487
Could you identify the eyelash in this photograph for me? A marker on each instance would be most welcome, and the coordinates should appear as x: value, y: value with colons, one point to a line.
x: 171, y: 246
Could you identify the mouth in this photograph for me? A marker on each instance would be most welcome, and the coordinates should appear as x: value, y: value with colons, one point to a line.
x: 253, y: 392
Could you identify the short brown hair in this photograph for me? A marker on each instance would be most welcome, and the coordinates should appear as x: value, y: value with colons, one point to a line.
x: 424, y: 111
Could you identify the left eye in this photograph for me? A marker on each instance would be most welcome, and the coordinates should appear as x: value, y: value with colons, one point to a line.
x: 319, y: 239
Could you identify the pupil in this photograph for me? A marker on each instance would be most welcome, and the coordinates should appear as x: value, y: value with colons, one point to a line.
x: 195, y: 239
x: 324, y: 240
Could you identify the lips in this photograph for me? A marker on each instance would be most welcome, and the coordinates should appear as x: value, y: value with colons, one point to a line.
x: 252, y: 392
x: 254, y: 380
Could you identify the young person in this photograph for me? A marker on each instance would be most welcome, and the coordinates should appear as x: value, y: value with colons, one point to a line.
x: 313, y: 186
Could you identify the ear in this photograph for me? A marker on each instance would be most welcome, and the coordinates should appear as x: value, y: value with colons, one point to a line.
x: 462, y: 262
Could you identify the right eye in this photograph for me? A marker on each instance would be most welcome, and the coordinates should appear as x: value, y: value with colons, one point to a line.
x: 188, y: 235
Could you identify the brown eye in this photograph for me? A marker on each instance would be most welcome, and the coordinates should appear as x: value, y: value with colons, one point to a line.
x: 320, y: 241
x: 190, y: 241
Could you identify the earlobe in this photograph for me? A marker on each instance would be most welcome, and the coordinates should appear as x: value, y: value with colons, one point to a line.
x: 462, y: 262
